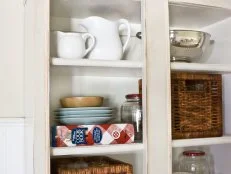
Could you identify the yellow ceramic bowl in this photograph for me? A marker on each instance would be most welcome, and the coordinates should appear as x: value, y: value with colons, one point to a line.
x: 73, y: 102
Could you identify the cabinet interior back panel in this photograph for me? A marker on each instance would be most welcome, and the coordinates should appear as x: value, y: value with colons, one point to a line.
x: 221, y: 158
x: 219, y: 51
x: 129, y: 9
x: 113, y: 89
x: 11, y: 67
x: 226, y: 104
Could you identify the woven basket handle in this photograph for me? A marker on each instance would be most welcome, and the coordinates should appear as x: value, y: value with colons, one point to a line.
x: 195, y: 85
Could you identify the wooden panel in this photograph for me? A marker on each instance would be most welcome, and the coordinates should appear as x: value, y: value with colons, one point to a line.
x: 12, y: 146
x: 41, y: 145
x: 11, y: 66
x: 29, y: 84
x: 158, y: 87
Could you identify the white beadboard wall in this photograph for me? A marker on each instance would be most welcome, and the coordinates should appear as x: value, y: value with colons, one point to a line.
x: 12, y: 146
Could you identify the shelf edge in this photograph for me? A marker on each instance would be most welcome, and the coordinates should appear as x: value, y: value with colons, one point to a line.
x: 216, y: 68
x: 96, y: 63
x: 99, y: 149
x: 201, y: 141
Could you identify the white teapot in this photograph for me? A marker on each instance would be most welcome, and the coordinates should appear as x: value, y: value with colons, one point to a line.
x: 108, y: 44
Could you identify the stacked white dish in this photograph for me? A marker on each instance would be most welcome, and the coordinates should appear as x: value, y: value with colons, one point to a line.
x: 84, y: 115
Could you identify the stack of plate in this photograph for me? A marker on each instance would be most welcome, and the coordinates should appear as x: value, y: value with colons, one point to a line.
x: 84, y: 115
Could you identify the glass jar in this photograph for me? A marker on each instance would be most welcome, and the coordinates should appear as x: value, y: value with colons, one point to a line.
x: 140, y: 86
x: 131, y: 112
x: 194, y: 161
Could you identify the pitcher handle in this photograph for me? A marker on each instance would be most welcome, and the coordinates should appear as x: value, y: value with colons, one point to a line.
x: 126, y: 23
x: 85, y: 37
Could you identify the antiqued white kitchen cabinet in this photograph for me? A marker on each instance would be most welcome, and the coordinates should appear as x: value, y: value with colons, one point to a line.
x: 12, y: 58
x: 12, y: 154
x: 48, y: 77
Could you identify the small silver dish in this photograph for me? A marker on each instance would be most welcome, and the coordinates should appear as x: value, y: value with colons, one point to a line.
x: 188, y: 45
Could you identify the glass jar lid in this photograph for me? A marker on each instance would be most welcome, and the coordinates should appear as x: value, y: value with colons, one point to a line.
x: 133, y: 96
x: 193, y: 153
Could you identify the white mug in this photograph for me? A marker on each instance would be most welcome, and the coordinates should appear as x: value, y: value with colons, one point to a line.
x: 73, y: 45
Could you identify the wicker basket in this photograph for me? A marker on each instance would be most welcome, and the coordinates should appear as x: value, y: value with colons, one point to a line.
x: 196, y: 105
x: 90, y: 165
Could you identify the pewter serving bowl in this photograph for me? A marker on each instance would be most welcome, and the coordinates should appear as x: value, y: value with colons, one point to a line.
x: 188, y: 45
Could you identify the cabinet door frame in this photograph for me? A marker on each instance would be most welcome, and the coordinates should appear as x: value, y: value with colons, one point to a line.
x: 156, y: 83
x: 158, y: 86
x: 36, y: 99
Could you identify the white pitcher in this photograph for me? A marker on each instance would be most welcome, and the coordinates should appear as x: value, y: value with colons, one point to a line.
x: 72, y: 45
x: 108, y: 44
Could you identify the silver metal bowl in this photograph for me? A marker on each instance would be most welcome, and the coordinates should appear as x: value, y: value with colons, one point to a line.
x: 188, y: 45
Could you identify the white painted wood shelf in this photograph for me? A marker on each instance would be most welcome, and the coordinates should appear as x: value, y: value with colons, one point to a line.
x: 97, y: 63
x: 86, y: 67
x: 126, y: 67
x: 202, y: 141
x: 97, y: 150
x: 199, y: 67
x: 206, y: 3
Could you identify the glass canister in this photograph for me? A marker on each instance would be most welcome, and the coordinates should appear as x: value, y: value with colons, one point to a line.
x: 131, y: 112
x: 195, y: 162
